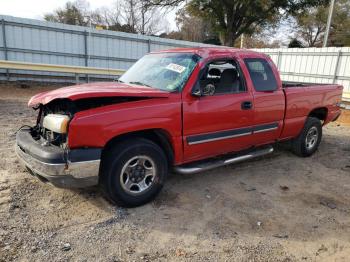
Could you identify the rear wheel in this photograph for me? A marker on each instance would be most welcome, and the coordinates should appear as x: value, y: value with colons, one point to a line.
x: 133, y: 172
x: 309, y: 139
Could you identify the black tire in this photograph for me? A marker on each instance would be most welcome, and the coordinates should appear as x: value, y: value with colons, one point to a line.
x: 300, y: 147
x: 117, y: 158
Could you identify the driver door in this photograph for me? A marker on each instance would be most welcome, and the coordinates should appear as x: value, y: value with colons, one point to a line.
x: 219, y: 120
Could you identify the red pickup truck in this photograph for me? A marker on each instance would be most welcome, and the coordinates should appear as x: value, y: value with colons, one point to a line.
x: 186, y: 109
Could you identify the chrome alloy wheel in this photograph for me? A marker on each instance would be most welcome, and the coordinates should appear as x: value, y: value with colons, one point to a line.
x: 137, y: 174
x: 311, y: 138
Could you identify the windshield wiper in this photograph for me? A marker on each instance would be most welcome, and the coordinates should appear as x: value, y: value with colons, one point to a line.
x: 119, y: 81
x: 139, y: 83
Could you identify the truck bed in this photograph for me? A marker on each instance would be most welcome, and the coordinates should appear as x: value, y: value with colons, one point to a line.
x: 303, y: 98
x: 286, y: 84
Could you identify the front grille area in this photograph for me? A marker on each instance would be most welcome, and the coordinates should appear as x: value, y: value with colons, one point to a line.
x: 61, y: 106
x: 53, y: 138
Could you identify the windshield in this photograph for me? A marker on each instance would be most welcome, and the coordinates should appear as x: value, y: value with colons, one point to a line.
x: 164, y: 71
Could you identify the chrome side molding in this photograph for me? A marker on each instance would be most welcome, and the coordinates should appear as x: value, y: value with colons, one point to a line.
x: 193, y: 168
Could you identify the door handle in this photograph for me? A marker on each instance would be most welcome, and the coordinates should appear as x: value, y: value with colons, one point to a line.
x: 246, y: 105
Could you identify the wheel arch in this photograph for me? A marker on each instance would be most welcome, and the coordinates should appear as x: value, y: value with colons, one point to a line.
x: 320, y: 112
x: 159, y: 136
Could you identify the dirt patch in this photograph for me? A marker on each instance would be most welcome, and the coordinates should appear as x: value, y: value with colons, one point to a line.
x: 344, y: 118
x: 277, y: 208
x: 23, y: 91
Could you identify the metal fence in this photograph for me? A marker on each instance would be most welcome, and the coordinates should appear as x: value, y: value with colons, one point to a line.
x: 42, y: 42
x: 314, y: 65
x: 35, y: 41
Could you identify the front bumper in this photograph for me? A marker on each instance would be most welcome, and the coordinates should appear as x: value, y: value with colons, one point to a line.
x: 63, y: 168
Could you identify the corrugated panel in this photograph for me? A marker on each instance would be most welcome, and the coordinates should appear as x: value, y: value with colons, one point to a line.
x: 53, y: 43
x: 313, y: 65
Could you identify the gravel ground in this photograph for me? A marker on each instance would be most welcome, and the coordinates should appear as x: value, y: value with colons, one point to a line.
x: 277, y: 208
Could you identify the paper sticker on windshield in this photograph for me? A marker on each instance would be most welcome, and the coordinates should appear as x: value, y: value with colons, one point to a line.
x: 176, y: 68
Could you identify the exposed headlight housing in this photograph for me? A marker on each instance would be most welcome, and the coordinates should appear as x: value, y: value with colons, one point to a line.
x: 56, y: 123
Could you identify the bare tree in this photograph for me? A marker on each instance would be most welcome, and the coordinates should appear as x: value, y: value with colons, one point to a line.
x: 132, y: 16
x: 149, y: 18
x: 311, y: 25
x: 141, y: 17
x: 107, y: 17
x: 129, y: 15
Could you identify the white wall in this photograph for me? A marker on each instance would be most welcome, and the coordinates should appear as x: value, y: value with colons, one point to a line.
x: 313, y: 65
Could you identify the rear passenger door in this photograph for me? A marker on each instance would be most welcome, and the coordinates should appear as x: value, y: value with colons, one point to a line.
x: 268, y: 98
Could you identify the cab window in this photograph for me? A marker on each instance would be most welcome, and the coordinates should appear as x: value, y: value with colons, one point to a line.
x: 261, y: 74
x: 221, y: 77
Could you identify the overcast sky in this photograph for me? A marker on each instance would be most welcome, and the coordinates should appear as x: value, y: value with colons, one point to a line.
x: 37, y: 8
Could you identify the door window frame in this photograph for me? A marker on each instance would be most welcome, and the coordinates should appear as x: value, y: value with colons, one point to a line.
x: 239, y: 69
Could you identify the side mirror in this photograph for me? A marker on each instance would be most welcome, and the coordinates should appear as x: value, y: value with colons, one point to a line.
x: 196, y: 91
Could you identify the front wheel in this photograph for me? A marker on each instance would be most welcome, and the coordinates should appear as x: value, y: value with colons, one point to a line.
x: 309, y: 139
x: 133, y: 172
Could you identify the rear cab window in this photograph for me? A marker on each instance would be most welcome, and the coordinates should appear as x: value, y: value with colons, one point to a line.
x: 261, y: 74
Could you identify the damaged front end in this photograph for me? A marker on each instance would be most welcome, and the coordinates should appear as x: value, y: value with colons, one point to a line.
x: 53, y: 119
x: 44, y: 150
x: 52, y: 124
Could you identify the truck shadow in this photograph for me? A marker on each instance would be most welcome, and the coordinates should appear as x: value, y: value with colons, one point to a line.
x: 278, y: 196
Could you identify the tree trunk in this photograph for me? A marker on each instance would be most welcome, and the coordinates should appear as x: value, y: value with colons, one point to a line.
x: 230, y: 34
x: 228, y: 38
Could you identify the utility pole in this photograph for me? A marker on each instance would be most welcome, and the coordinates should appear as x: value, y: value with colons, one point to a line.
x: 329, y: 22
x: 242, y: 40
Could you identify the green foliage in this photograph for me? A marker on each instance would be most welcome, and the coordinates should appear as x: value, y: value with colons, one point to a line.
x: 295, y: 43
x: 311, y: 24
x: 231, y: 18
x: 71, y: 14
x: 194, y: 28
x: 340, y: 34
x: 212, y: 41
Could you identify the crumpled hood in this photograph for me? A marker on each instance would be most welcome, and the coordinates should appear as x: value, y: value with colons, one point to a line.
x: 91, y: 90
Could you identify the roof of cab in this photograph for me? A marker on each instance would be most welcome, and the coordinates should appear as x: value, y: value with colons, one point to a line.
x: 208, y: 51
